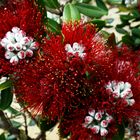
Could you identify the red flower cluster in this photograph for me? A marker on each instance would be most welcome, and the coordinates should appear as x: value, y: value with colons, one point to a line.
x: 73, y: 77
x: 23, y: 15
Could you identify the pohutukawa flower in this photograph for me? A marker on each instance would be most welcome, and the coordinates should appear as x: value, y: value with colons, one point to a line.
x: 21, y: 27
x: 98, y: 122
x: 61, y: 72
x: 17, y: 45
x: 118, y: 85
x: 121, y: 90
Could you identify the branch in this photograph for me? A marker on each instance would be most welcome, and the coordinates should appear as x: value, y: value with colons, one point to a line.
x: 6, y: 124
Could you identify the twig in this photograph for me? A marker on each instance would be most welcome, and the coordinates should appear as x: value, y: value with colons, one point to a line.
x: 7, y: 125
x: 26, y: 127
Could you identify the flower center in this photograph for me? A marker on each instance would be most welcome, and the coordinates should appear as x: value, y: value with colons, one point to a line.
x: 18, y: 45
x: 121, y: 90
x: 76, y: 48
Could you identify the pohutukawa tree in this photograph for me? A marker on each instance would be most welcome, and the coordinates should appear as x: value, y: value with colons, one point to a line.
x: 63, y: 67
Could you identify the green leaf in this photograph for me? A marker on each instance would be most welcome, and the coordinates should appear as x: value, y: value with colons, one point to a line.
x: 101, y: 5
x: 105, y: 34
x: 90, y: 10
x: 6, y: 98
x: 100, y: 23
x: 121, y: 30
x: 136, y: 13
x: 86, y: 1
x: 71, y: 13
x: 114, y: 1
x: 136, y: 32
x: 13, y: 111
x: 47, y: 124
x: 126, y: 18
x: 51, y: 3
x: 5, y: 85
x: 16, y: 124
x: 128, y: 40
x: 53, y: 26
x: 2, y: 137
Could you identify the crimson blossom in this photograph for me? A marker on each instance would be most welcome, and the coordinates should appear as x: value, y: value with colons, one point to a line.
x: 21, y: 28
x: 57, y: 81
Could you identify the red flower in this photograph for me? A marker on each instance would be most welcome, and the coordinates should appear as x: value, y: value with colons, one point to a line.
x: 57, y: 80
x: 19, y: 20
x: 117, y: 87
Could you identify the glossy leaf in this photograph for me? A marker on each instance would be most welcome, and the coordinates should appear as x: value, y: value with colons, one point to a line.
x: 127, y: 39
x: 136, y: 32
x: 53, y: 26
x: 101, y: 5
x: 5, y: 85
x: 71, y: 13
x: 121, y: 30
x: 99, y: 23
x: 6, y: 98
x: 90, y: 10
x: 13, y: 111
x: 51, y: 3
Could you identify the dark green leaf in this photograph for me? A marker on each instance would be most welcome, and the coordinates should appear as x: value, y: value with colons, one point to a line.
x: 51, y: 3
x: 136, y: 13
x: 47, y: 124
x: 121, y: 30
x: 128, y: 40
x: 100, y: 23
x: 2, y: 137
x: 90, y: 10
x: 5, y: 85
x: 6, y: 98
x: 101, y: 5
x: 16, y: 124
x: 71, y: 13
x: 53, y: 26
x: 136, y: 32
x: 13, y: 111
x: 86, y: 1
x: 126, y: 18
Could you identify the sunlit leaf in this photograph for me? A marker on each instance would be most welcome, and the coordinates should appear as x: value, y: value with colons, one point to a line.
x: 71, y: 13
x: 53, y: 26
x: 90, y: 10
